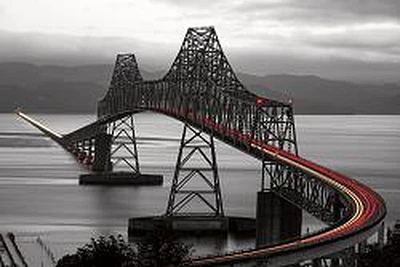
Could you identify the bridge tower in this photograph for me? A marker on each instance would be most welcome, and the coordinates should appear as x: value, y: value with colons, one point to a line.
x: 116, y: 159
x: 277, y: 217
x: 122, y: 148
x: 196, y: 177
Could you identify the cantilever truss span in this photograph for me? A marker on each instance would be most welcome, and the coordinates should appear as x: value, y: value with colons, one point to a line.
x: 202, y: 90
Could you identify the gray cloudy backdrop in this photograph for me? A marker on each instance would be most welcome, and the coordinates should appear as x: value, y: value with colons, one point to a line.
x: 342, y: 39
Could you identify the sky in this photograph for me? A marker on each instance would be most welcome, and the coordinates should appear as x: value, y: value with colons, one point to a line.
x: 339, y: 39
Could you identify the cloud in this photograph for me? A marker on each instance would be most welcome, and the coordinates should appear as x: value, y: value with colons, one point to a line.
x: 62, y: 49
x: 75, y: 50
x: 325, y: 37
x: 321, y: 11
x: 373, y: 8
x: 206, y: 4
x: 346, y: 29
x: 379, y: 38
x: 297, y: 20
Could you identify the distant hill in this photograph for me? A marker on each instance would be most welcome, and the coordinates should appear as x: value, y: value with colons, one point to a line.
x: 58, y: 89
x: 315, y: 95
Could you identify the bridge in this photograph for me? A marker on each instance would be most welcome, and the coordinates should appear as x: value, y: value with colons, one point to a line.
x: 202, y: 91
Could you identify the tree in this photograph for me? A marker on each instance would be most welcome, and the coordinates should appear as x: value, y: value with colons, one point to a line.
x: 101, y: 252
x: 160, y: 248
x: 388, y: 256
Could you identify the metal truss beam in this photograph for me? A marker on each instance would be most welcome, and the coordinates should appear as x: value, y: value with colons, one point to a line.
x: 83, y: 151
x: 305, y: 190
x: 124, y: 149
x: 202, y: 90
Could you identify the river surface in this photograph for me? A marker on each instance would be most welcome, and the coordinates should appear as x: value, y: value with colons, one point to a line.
x: 40, y: 195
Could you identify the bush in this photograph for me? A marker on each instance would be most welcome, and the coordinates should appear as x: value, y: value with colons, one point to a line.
x: 101, y: 252
x: 160, y: 248
x: 389, y: 256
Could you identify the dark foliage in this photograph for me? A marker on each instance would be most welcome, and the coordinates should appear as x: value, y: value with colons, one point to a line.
x: 160, y: 248
x: 101, y: 252
x: 389, y: 256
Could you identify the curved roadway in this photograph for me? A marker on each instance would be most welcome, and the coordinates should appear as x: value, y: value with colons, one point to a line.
x: 367, y: 210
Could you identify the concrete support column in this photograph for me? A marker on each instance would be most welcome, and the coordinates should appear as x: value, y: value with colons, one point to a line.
x: 277, y: 219
x: 102, y: 152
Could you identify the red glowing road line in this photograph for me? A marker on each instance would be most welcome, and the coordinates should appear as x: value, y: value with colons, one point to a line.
x: 367, y: 203
x: 368, y: 206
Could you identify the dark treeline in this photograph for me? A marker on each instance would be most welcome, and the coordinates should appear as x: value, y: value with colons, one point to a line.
x: 388, y: 256
x: 159, y: 248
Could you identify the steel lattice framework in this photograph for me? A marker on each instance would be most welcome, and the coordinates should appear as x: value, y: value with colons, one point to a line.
x: 195, y: 143
x: 202, y: 90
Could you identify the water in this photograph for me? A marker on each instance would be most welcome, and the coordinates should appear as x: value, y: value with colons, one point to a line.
x: 40, y: 195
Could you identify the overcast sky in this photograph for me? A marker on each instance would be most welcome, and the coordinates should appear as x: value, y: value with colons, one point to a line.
x: 347, y: 39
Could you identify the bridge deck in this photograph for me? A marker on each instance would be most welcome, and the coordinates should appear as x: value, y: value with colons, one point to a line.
x: 202, y: 90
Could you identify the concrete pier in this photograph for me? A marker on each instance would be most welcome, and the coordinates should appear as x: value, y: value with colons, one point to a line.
x: 277, y: 219
x: 192, y: 224
x: 102, y: 150
x: 120, y: 178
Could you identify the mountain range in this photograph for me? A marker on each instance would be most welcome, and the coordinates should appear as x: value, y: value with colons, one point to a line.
x: 60, y: 89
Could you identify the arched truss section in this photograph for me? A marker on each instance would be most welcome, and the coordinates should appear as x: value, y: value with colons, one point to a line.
x: 202, y: 90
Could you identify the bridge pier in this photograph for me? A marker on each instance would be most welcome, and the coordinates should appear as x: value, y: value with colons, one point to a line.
x: 102, y: 149
x: 113, y: 147
x: 277, y: 219
x: 195, y: 202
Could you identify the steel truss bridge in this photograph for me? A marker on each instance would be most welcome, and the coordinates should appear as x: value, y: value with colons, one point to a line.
x: 202, y: 91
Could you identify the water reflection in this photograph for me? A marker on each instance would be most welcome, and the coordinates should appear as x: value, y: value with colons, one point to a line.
x: 39, y: 189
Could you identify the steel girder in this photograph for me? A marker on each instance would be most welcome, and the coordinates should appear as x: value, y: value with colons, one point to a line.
x: 82, y: 142
x: 202, y: 90
x: 306, y: 191
x: 124, y: 148
x: 83, y: 150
